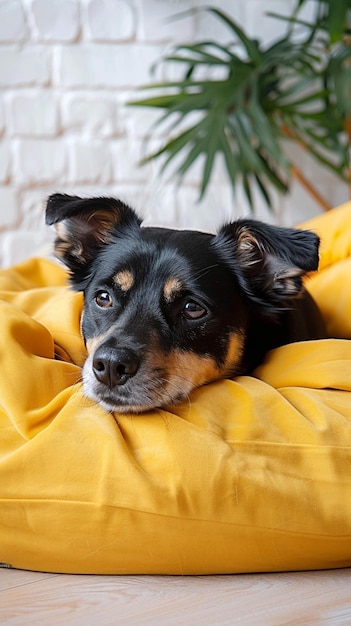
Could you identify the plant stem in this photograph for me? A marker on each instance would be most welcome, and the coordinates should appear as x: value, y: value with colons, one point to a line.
x: 296, y: 172
x: 348, y: 132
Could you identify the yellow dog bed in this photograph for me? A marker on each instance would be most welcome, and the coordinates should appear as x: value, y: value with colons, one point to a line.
x: 253, y: 475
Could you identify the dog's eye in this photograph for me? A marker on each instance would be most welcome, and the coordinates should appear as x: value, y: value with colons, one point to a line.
x: 103, y: 299
x: 193, y: 311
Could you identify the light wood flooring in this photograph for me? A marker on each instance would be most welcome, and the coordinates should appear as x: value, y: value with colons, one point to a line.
x: 301, y: 599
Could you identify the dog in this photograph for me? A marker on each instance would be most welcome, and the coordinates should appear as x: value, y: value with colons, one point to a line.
x: 166, y: 311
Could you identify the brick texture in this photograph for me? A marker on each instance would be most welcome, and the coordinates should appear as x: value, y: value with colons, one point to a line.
x: 5, y: 161
x: 32, y: 116
x: 13, y: 26
x: 102, y: 66
x: 110, y: 20
x: 40, y: 161
x: 90, y: 114
x: 55, y: 20
x: 9, y: 207
x: 20, y: 67
x: 67, y: 70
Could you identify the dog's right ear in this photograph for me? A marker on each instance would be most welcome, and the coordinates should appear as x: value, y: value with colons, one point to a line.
x: 85, y: 225
x: 268, y: 261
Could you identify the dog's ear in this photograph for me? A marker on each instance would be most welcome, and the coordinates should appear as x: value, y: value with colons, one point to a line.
x: 268, y: 261
x: 84, y: 225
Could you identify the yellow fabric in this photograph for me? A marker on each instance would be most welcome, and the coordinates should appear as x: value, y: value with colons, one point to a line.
x: 253, y: 475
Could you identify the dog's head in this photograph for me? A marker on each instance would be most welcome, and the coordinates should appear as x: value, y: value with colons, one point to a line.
x: 166, y: 311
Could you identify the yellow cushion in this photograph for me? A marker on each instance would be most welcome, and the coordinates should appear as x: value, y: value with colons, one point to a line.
x: 253, y: 475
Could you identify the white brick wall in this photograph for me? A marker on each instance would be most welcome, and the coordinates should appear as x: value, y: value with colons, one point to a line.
x: 54, y: 20
x: 67, y: 67
x: 31, y: 116
x: 13, y: 21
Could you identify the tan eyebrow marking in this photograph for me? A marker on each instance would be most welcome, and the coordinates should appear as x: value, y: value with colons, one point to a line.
x: 124, y: 280
x: 172, y: 289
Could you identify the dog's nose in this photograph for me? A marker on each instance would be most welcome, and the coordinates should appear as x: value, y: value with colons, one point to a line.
x: 114, y: 366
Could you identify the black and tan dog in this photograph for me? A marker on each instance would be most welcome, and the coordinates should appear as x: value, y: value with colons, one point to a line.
x: 166, y: 311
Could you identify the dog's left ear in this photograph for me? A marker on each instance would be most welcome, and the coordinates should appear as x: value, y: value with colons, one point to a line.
x: 268, y: 261
x: 84, y: 226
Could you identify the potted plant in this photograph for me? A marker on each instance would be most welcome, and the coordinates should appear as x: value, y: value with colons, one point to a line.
x: 296, y: 89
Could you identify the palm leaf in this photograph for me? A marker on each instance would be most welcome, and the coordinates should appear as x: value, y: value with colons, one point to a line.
x: 288, y: 86
x: 250, y: 45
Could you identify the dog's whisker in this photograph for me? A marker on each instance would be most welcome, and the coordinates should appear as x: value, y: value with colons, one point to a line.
x: 180, y: 392
x: 201, y: 273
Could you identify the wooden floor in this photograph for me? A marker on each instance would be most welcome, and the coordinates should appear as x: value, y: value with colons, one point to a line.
x: 301, y: 599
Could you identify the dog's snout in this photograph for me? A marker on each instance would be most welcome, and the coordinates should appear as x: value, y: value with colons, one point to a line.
x: 114, y: 366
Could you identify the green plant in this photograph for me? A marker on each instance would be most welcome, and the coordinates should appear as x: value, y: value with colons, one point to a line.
x: 330, y: 16
x: 294, y: 89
